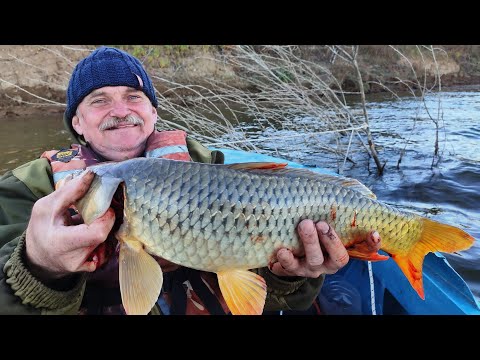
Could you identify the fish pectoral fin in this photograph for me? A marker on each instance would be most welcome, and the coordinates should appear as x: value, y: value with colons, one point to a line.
x: 98, y: 198
x: 244, y: 291
x: 141, y: 278
x: 364, y: 251
x: 257, y: 166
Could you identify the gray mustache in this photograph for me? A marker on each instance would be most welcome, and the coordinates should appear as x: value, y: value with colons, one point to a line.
x: 115, y: 121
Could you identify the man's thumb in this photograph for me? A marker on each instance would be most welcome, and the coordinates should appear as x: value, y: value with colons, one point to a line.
x: 75, y: 189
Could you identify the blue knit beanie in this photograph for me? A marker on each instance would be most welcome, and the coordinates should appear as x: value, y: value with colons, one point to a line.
x: 106, y: 66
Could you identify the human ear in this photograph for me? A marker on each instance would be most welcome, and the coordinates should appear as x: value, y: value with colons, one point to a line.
x: 155, y: 113
x: 76, y: 125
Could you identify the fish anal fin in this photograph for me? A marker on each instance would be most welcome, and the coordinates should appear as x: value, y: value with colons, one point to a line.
x: 363, y: 248
x: 141, y: 278
x: 358, y: 252
x: 244, y: 291
x: 257, y: 166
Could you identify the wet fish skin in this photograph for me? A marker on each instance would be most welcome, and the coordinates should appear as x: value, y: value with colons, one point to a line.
x: 220, y: 218
x: 207, y: 217
x: 211, y: 217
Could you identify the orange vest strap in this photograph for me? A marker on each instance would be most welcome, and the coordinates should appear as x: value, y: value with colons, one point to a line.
x: 168, y: 145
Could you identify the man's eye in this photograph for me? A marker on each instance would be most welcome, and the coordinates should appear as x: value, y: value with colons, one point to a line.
x: 134, y: 97
x: 98, y: 101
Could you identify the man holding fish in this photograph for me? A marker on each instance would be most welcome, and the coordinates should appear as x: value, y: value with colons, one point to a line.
x: 54, y: 261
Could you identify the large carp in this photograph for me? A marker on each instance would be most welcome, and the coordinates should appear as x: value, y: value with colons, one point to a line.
x: 228, y: 219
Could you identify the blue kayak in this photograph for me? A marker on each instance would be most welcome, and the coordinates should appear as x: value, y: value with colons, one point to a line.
x: 380, y: 287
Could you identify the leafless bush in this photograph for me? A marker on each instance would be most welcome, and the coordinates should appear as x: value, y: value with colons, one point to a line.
x: 294, y: 102
x: 287, y: 101
x: 291, y: 99
x: 419, y: 87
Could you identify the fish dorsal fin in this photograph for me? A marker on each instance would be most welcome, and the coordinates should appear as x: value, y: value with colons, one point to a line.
x: 350, y: 183
x: 257, y: 166
x: 98, y: 198
x: 244, y: 291
x: 141, y: 278
x: 280, y: 170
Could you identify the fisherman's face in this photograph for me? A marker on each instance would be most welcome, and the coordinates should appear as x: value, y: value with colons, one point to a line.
x: 116, y: 121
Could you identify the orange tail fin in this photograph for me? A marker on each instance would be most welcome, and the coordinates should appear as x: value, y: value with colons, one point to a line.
x: 435, y: 237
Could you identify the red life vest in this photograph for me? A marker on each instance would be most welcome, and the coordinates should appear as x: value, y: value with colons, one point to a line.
x: 166, y: 144
x: 169, y: 145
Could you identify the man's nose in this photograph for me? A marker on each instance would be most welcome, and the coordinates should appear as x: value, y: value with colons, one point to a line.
x: 119, y: 109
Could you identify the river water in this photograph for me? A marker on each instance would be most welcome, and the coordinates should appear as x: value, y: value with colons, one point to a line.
x: 449, y: 192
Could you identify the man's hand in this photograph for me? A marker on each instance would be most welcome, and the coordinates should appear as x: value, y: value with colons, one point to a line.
x: 56, y: 245
x: 313, y: 261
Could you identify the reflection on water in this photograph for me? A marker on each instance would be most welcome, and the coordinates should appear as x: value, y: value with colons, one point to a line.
x: 449, y: 193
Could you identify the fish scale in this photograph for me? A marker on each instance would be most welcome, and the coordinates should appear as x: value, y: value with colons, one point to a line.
x: 210, y: 233
x: 221, y: 218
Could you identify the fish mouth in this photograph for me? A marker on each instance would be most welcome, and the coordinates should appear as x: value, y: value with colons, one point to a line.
x: 110, y: 246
